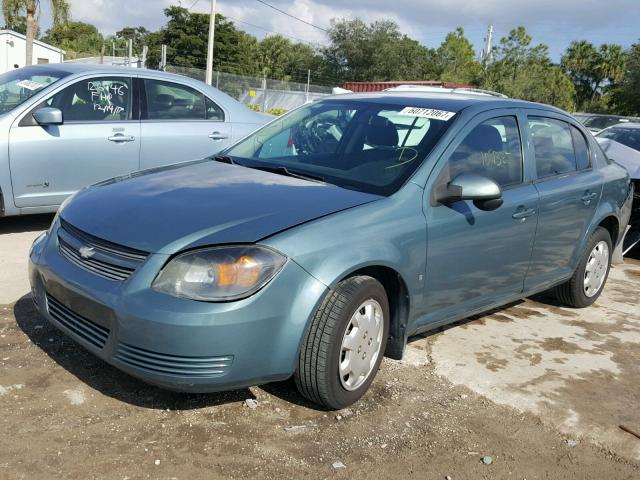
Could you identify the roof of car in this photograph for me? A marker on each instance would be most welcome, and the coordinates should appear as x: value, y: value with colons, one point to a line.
x: 453, y: 102
x: 77, y: 68
x: 608, y: 115
x: 623, y: 125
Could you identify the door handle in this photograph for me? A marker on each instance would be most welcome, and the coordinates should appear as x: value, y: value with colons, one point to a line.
x: 119, y: 137
x: 523, y: 213
x: 587, y: 197
x: 218, y: 136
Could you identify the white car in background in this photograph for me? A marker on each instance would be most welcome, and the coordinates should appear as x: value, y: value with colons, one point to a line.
x: 621, y: 143
x: 596, y: 122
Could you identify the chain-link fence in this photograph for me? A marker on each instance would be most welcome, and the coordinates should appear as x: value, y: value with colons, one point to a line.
x: 261, y: 94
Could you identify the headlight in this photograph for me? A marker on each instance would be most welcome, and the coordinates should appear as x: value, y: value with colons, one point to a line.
x: 219, y: 273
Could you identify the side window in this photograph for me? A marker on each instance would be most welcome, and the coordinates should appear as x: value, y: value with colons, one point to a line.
x: 553, y: 146
x: 492, y: 149
x: 581, y: 149
x: 104, y: 99
x: 172, y: 101
x: 214, y: 112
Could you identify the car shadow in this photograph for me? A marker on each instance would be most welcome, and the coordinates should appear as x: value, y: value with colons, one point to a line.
x: 105, y: 378
x: 25, y: 223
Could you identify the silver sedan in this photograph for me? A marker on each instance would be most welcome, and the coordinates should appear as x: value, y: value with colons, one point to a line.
x: 70, y: 125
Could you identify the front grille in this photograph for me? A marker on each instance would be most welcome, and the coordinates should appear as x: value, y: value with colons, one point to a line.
x: 98, y: 267
x: 107, y: 260
x: 194, y: 367
x: 84, y: 328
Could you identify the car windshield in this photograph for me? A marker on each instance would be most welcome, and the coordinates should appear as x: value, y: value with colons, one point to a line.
x: 626, y: 136
x: 360, y: 145
x: 19, y: 85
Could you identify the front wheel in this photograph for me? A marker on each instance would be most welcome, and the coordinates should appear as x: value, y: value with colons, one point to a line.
x: 587, y: 282
x: 344, y: 345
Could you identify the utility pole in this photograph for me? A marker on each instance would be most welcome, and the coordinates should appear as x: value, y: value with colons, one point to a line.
x: 212, y: 27
x: 486, y: 57
x: 130, y: 53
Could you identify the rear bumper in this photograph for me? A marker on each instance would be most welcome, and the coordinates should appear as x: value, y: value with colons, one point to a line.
x: 176, y: 343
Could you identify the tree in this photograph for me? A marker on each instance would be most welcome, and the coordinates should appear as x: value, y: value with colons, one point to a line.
x: 78, y: 39
x: 137, y: 35
x: 280, y: 58
x: 625, y: 96
x: 17, y: 24
x: 274, y: 56
x: 593, y: 71
x: 456, y: 59
x: 185, y: 35
x: 378, y: 51
x: 521, y: 70
x: 13, y: 9
x: 301, y: 59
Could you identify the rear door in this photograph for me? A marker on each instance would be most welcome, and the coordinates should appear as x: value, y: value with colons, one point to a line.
x: 179, y: 124
x: 569, y: 190
x: 99, y: 139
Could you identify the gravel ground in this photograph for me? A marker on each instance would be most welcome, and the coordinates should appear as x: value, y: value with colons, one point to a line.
x: 538, y: 388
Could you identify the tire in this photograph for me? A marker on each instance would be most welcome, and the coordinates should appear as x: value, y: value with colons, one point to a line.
x: 573, y: 292
x: 322, y: 354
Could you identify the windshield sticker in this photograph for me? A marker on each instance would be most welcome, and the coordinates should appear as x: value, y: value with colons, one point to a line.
x: 29, y: 84
x: 431, y: 113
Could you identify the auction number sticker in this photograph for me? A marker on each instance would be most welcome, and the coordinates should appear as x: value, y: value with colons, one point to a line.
x: 431, y: 113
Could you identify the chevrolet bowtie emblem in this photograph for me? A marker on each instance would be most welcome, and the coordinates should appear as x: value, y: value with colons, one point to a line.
x: 87, y: 252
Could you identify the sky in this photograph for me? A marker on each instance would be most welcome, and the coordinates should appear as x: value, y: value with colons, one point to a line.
x: 553, y: 22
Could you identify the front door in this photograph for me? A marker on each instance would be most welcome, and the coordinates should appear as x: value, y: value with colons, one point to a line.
x: 97, y: 140
x: 477, y: 258
x: 569, y: 189
x: 180, y: 124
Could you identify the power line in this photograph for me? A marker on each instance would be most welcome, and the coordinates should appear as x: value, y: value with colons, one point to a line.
x: 292, y: 16
x: 193, y: 4
x: 271, y: 31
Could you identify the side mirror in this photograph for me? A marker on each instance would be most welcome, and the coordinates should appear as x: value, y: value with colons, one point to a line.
x: 484, y: 192
x: 48, y: 116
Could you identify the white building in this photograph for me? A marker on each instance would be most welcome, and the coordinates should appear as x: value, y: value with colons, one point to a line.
x: 13, y: 51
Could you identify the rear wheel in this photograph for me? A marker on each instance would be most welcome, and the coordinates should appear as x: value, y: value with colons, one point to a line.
x: 343, y: 348
x: 587, y: 282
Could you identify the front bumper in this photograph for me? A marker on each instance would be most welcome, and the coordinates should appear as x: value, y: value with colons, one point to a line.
x: 176, y: 343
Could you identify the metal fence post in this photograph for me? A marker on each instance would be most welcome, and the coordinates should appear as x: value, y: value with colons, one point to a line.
x: 264, y: 93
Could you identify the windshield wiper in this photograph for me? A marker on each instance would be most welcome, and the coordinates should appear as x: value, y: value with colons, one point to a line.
x: 282, y: 170
x: 279, y: 169
x: 225, y: 159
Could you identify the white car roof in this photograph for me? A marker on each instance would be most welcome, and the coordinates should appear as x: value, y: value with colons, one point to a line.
x: 427, y: 88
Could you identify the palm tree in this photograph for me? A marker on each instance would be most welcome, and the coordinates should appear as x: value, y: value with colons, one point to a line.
x: 13, y: 9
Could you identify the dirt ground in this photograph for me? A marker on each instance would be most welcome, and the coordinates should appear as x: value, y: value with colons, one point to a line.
x: 539, y: 388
